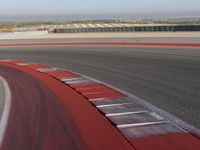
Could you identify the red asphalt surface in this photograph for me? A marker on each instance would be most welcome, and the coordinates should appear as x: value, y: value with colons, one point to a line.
x: 105, y: 44
x: 48, y: 115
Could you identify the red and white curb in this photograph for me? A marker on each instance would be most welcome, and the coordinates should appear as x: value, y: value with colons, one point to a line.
x: 6, y: 109
x: 134, y: 118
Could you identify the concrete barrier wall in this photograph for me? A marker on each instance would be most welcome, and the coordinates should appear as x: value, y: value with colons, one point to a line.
x: 131, y: 29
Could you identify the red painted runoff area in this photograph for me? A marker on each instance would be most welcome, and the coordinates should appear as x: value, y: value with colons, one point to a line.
x: 46, y: 114
x: 37, y: 66
x: 105, y: 44
x: 97, y: 91
x: 62, y: 74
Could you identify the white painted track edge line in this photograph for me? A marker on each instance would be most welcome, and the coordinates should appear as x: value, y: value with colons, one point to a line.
x: 141, y: 124
x: 77, y: 82
x: 6, y: 110
x: 126, y: 113
x: 97, y: 99
x: 69, y: 79
x: 112, y: 105
x: 46, y: 70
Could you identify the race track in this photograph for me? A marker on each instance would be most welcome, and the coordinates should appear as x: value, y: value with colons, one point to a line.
x: 167, y: 77
x: 44, y: 114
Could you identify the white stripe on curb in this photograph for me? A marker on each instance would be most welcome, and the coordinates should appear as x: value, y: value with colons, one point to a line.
x: 111, y: 105
x: 5, y: 115
x: 125, y: 113
x: 141, y: 124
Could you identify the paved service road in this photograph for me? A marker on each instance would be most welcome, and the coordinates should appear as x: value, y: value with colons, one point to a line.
x: 166, y: 77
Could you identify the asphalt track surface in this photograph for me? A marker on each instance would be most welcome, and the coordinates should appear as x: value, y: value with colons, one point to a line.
x: 167, y: 77
x: 118, y: 39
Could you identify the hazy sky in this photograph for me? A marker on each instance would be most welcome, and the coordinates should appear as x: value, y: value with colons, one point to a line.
x: 98, y: 8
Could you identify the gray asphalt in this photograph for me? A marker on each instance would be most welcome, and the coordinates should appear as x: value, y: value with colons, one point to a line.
x: 168, y: 78
x: 129, y: 39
